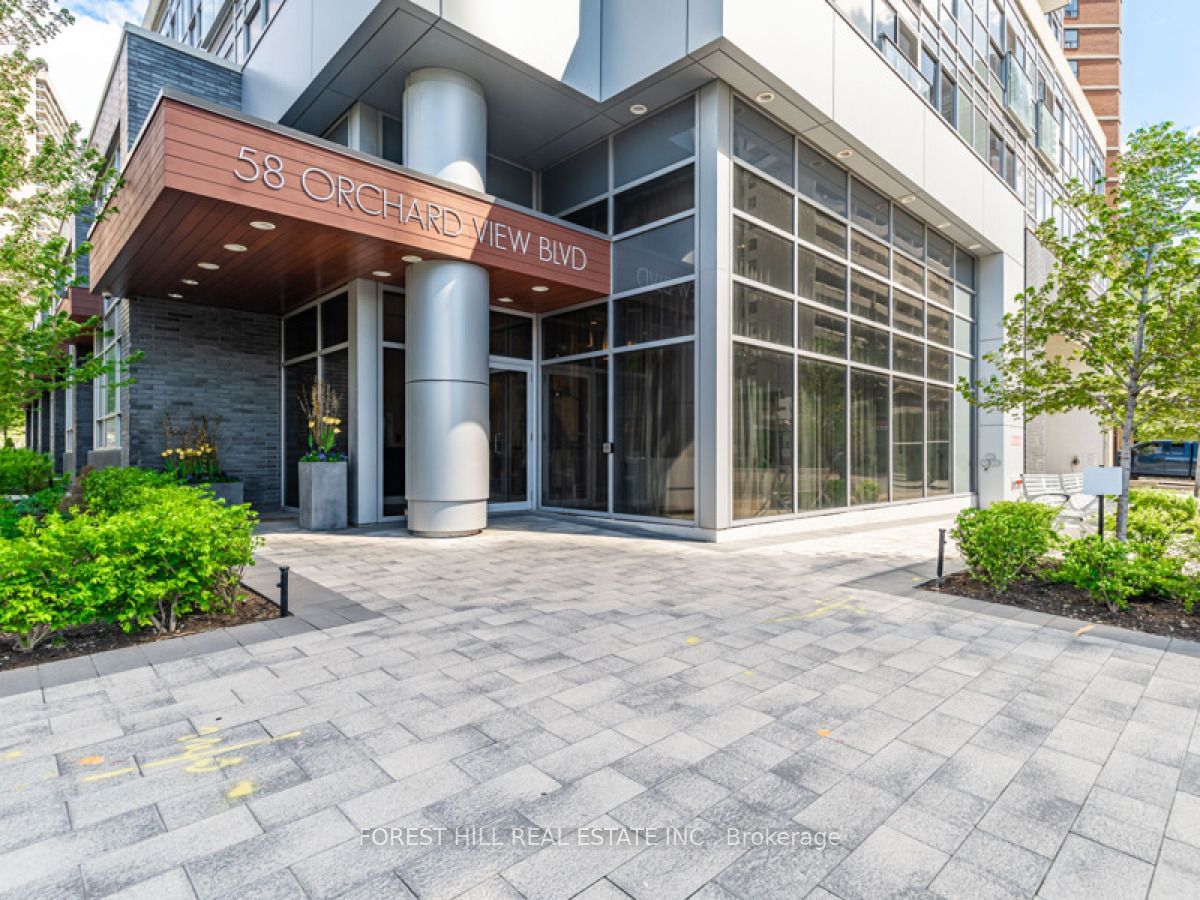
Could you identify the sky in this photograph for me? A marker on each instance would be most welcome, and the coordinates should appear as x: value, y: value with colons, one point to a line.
x: 1161, y: 76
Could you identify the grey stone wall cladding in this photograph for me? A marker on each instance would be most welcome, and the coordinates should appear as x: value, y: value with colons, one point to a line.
x: 151, y: 66
x: 1038, y: 264
x: 199, y: 360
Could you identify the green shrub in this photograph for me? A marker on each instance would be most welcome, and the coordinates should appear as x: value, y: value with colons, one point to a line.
x: 35, y: 506
x: 1115, y: 572
x: 1160, y: 517
x: 1002, y: 541
x: 24, y: 471
x: 106, y: 491
x: 166, y: 552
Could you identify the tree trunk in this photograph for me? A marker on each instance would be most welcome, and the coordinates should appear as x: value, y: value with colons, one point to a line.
x: 1126, y: 460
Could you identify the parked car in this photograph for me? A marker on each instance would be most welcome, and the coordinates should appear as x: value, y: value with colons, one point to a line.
x: 1165, y: 459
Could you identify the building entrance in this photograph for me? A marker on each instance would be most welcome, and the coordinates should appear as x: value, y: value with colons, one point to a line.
x: 510, y: 406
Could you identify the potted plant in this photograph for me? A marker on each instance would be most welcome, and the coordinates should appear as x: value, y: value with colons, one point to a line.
x: 192, y: 456
x: 323, y: 478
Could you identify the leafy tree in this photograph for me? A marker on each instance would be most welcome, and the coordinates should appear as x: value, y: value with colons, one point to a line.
x: 42, y: 184
x: 1125, y: 293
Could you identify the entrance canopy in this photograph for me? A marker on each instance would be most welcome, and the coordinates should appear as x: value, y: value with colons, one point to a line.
x: 225, y: 210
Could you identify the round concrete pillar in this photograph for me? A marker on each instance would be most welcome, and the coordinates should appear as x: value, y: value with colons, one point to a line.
x: 446, y: 356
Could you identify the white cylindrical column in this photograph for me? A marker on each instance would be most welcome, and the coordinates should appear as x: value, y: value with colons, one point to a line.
x: 446, y: 356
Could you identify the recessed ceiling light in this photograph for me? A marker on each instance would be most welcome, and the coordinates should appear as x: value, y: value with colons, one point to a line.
x: 974, y: 246
x: 944, y: 225
x: 539, y: 289
x: 379, y: 273
x: 175, y: 296
x: 190, y: 282
x: 909, y: 199
x: 208, y: 265
x: 236, y: 248
x: 263, y: 226
x: 410, y: 258
x: 638, y: 109
x: 505, y: 299
x: 845, y: 153
x: 764, y: 97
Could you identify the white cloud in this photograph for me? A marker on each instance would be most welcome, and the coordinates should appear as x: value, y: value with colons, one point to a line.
x: 80, y: 57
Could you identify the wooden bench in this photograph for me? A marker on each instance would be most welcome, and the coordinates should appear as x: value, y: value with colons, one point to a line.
x: 1065, y: 492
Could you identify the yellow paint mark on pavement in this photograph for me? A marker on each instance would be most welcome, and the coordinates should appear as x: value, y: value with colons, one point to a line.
x: 91, y: 760
x: 820, y: 611
x: 693, y: 640
x: 823, y: 732
x: 748, y: 672
x: 1085, y: 628
x: 13, y: 754
x: 240, y: 790
x: 203, y: 755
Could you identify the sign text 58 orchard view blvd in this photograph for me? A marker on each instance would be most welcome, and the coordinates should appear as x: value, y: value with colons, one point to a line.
x: 369, y: 199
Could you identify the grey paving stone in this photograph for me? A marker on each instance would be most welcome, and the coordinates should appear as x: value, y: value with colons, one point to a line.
x: 887, y: 864
x: 1184, y: 824
x: 1142, y: 779
x: 1085, y: 870
x: 388, y: 803
x: 170, y: 885
x: 417, y: 757
x: 312, y: 796
x: 1030, y: 819
x: 566, y: 868
x: 582, y: 801
x: 676, y: 870
x: 853, y: 808
x: 899, y: 768
x: 1123, y: 823
x: 112, y: 661
x: 1020, y: 869
x: 1177, y: 872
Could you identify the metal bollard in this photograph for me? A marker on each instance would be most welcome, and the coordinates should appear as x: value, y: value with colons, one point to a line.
x: 941, y: 567
x: 283, y: 591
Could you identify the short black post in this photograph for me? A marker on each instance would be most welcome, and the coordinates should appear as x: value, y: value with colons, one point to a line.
x: 283, y: 592
x: 941, y: 568
x: 1101, y: 517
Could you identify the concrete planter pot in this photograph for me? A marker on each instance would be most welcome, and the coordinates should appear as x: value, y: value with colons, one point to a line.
x: 323, y: 505
x: 228, y: 492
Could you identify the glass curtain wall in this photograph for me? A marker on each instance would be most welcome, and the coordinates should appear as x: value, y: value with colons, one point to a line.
x: 394, y: 503
x: 852, y: 319
x: 637, y: 347
x: 315, y: 346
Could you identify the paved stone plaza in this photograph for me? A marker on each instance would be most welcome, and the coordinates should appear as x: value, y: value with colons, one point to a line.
x: 546, y: 677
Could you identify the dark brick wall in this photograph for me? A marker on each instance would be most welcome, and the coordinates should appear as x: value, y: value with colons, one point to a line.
x: 200, y: 360
x: 152, y: 65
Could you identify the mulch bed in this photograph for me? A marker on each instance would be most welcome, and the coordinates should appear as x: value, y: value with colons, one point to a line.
x: 1151, y: 617
x: 86, y: 639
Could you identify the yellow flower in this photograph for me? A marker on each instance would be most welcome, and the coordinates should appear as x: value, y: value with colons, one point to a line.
x: 337, y: 431
x: 166, y: 453
x: 312, y: 423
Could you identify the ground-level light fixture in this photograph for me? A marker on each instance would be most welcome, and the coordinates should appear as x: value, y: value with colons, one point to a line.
x: 845, y: 153
x: 505, y: 299
x: 190, y: 282
x: 175, y: 296
x: 236, y: 248
x: 207, y: 265
x: 263, y: 226
x: 379, y: 273
x: 410, y: 258
x: 638, y: 109
x: 539, y: 289
x: 764, y: 97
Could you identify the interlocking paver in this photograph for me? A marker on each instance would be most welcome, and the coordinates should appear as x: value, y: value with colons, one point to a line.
x: 527, y: 679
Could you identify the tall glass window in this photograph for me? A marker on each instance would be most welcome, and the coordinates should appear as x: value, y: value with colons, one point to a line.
x: 877, y: 316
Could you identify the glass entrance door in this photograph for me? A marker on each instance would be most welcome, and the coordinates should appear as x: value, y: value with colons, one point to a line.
x: 509, y: 407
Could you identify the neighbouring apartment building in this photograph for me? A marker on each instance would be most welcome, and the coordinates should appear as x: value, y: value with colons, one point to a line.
x: 1092, y: 43
x: 699, y: 265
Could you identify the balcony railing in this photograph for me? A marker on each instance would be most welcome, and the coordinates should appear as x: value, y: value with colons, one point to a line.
x: 1047, y: 134
x: 907, y: 70
x: 1018, y: 97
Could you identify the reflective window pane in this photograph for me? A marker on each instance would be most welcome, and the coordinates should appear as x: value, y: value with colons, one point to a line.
x: 908, y: 313
x: 654, y: 143
x: 908, y: 435
x: 964, y: 270
x: 962, y: 335
x: 509, y: 182
x: 908, y: 273
x: 653, y: 431
x: 868, y: 298
x: 868, y: 345
x: 821, y: 279
x: 908, y: 356
x: 761, y: 199
x: 964, y: 302
x: 393, y: 432
x: 335, y: 322
x: 820, y: 332
x: 939, y: 364
x: 652, y: 200
x: 821, y: 180
x: 869, y: 254
x: 583, y: 176
x: 578, y: 331
x: 300, y: 334
x: 654, y: 256
x: 869, y: 210
x: 762, y: 256
x: 868, y: 438
x: 939, y: 289
x: 937, y: 464
x: 762, y: 143
x: 762, y: 436
x: 821, y: 435
x: 939, y: 325
x: 941, y: 254
x: 510, y: 336
x: 821, y: 229
x: 761, y: 315
x: 393, y: 317
x: 655, y: 315
x: 593, y: 216
x: 297, y: 382
x: 575, y: 418
x: 910, y: 233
